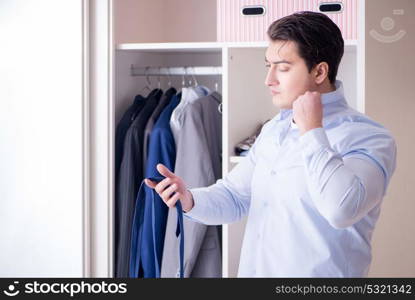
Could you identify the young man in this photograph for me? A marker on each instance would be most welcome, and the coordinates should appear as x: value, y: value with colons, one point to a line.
x: 313, y: 182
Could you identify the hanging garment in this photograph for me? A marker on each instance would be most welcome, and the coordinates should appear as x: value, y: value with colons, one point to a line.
x: 198, y: 135
x: 137, y: 230
x: 164, y: 101
x: 189, y: 94
x: 130, y: 177
x: 149, y: 248
x: 122, y: 127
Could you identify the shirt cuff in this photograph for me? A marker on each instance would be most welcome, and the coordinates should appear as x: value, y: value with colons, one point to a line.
x: 313, y: 140
x: 199, y: 206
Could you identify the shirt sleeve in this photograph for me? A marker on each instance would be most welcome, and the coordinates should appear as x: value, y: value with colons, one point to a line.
x: 227, y: 200
x: 344, y: 189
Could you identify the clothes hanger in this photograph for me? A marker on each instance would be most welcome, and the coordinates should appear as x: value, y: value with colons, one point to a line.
x: 168, y: 76
x: 183, y: 81
x: 147, y: 86
x: 159, y: 83
x: 216, y: 89
x: 148, y: 82
x: 216, y: 85
x: 190, y: 80
x: 194, y: 77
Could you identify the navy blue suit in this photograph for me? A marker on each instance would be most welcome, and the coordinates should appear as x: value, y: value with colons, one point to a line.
x: 150, y: 214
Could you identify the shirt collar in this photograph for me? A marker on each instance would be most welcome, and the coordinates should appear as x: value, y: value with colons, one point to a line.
x: 190, y: 94
x: 326, y: 98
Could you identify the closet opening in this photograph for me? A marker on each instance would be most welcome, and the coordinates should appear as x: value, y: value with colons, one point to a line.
x: 162, y: 95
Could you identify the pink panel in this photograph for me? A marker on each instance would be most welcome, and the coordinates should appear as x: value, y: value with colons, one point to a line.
x: 232, y: 26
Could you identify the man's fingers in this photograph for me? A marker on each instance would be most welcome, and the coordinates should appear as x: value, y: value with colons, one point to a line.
x: 163, y: 184
x: 167, y: 186
x: 167, y: 192
x: 164, y: 171
x: 172, y: 201
x: 149, y: 183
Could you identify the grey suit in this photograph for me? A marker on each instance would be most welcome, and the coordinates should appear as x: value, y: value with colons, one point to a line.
x: 198, y: 162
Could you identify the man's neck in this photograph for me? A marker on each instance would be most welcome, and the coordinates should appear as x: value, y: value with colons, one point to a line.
x: 326, y: 87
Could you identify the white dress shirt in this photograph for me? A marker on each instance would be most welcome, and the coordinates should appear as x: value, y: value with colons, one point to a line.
x: 312, y: 201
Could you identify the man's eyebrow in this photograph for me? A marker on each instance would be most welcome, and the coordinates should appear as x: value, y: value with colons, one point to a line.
x: 278, y: 62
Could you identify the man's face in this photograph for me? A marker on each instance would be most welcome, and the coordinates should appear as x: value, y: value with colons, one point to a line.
x: 288, y: 76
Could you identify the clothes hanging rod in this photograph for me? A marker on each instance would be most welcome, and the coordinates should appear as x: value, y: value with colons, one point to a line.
x: 166, y: 71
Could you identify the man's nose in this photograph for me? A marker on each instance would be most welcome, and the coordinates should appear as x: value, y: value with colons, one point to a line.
x: 271, y: 78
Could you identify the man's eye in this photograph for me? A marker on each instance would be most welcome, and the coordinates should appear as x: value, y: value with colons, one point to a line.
x: 283, y: 70
x: 267, y: 65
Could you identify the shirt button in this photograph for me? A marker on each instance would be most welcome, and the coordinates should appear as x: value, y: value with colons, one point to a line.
x: 273, y: 172
x: 265, y: 204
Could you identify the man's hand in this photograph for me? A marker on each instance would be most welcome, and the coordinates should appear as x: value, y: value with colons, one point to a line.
x: 308, y: 111
x: 171, y: 189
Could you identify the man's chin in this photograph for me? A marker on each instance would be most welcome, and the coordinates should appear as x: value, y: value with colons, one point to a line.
x: 280, y: 103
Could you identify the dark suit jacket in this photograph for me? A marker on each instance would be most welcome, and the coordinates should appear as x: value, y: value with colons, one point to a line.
x: 130, y: 177
x: 122, y: 127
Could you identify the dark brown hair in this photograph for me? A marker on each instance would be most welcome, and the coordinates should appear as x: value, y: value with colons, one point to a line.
x: 317, y: 37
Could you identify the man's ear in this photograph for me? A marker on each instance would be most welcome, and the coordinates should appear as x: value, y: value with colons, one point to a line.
x: 320, y: 72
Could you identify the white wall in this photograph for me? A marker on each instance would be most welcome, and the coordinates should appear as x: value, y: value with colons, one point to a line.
x: 41, y: 138
x: 390, y: 100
